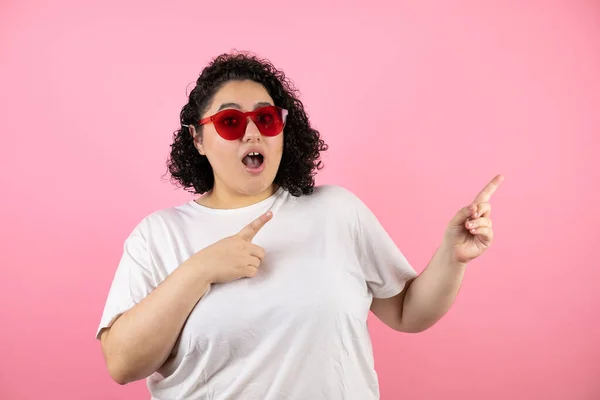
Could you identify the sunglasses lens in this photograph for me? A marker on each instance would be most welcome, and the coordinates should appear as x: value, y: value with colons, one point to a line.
x: 269, y: 120
x: 230, y: 124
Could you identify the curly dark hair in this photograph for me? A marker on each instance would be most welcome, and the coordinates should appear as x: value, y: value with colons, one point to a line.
x: 301, y: 143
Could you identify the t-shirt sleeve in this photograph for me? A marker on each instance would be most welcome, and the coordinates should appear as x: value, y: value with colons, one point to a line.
x: 132, y: 281
x: 385, y: 267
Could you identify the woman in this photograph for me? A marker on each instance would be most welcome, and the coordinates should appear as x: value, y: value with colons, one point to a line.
x: 261, y: 287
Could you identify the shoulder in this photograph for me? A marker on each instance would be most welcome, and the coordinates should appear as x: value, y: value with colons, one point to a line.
x: 337, y: 200
x: 333, y: 193
x: 157, y: 221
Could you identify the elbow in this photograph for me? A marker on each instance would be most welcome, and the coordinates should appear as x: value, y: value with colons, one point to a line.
x: 416, y: 325
x: 120, y: 366
x: 124, y: 370
x: 120, y: 379
x: 413, y: 328
x: 119, y: 372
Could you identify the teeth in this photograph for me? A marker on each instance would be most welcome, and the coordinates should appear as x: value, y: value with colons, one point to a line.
x: 253, y: 154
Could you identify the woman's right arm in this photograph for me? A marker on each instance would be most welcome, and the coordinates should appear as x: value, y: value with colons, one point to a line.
x: 141, y: 339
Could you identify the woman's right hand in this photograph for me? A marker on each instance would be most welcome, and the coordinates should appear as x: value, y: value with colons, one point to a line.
x: 233, y: 257
x: 141, y: 339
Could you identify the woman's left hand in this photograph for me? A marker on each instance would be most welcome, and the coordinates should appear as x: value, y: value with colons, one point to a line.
x: 470, y: 233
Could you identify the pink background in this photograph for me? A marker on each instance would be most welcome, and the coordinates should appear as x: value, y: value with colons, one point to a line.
x: 422, y: 104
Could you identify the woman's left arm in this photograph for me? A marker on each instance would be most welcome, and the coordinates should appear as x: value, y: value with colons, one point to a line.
x: 429, y: 296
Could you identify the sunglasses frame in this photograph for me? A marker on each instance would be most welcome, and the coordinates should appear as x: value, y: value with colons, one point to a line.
x: 246, y: 114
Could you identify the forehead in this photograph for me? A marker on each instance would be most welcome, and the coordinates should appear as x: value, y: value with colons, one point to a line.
x: 246, y: 94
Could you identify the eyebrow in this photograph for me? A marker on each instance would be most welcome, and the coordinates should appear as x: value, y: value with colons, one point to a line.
x: 237, y: 106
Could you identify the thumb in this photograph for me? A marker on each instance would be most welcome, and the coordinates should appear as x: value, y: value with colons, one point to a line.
x: 462, y: 215
x: 250, y: 230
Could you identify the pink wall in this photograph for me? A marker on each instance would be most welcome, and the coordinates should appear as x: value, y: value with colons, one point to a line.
x: 439, y: 97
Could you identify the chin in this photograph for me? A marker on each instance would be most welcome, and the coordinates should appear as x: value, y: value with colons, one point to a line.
x: 255, y: 188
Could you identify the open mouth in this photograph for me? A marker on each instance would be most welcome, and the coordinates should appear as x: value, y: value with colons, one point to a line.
x: 253, y: 160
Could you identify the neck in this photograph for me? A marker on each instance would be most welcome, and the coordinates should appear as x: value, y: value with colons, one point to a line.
x: 221, y: 198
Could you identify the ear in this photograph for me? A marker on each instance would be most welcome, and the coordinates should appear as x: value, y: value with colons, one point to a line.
x: 197, y: 140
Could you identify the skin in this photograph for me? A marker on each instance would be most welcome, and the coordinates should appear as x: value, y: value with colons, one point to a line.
x: 234, y: 186
x: 141, y: 339
x: 430, y: 295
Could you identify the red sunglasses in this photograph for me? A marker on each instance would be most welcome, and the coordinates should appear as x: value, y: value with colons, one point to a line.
x: 231, y: 124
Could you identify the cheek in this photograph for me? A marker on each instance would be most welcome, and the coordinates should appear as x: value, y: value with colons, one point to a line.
x: 276, y: 144
x: 221, y: 153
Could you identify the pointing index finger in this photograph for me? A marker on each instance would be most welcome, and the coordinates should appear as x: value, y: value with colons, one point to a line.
x: 489, y: 189
x: 250, y: 230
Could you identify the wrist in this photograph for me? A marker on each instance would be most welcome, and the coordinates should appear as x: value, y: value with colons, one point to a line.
x: 197, y: 270
x: 447, y: 257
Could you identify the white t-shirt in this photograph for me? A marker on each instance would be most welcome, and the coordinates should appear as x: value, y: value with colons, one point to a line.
x: 298, y: 330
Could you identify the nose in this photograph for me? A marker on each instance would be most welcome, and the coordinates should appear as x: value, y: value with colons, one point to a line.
x: 252, y: 133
